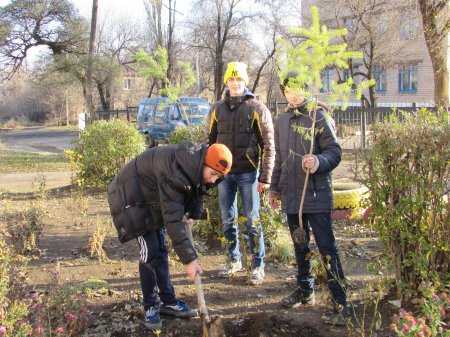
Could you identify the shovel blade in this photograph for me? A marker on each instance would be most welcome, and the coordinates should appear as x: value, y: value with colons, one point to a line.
x: 213, y: 327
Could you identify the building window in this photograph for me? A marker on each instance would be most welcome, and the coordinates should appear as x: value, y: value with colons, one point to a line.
x: 409, y: 29
x: 346, y: 75
x: 379, y: 75
x: 382, y: 25
x: 326, y: 78
x: 127, y: 84
x: 407, y: 78
x: 349, y: 23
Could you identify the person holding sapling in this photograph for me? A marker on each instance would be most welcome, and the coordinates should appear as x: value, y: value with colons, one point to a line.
x: 303, y: 123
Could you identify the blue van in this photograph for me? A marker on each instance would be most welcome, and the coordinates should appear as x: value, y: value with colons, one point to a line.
x: 157, y: 117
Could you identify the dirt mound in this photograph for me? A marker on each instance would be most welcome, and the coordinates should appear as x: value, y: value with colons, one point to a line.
x: 265, y: 325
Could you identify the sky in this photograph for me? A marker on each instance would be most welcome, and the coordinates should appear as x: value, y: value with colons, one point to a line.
x: 106, y: 8
x: 133, y: 9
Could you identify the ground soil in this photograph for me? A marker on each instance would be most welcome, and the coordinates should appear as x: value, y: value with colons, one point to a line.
x: 247, y: 311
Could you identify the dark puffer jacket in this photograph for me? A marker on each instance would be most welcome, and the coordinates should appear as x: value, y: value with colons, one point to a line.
x: 171, y: 182
x: 245, y: 126
x: 288, y: 176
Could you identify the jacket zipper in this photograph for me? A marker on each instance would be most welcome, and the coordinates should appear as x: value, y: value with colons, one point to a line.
x: 235, y: 115
x: 313, y: 180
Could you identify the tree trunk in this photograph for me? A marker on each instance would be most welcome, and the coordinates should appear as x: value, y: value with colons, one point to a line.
x: 102, y: 95
x: 220, y: 43
x: 260, y: 70
x: 372, y: 97
x: 439, y: 61
x: 436, y: 23
x: 89, y: 102
x: 66, y: 101
x: 218, y: 76
x: 170, y: 56
x: 150, y: 93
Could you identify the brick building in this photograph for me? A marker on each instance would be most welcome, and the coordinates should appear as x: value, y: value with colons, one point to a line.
x: 403, y: 70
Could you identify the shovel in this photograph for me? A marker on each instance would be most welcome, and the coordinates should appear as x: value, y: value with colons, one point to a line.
x: 211, y: 326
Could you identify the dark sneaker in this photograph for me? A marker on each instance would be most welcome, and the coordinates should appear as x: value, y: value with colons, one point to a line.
x: 343, y: 316
x: 152, y: 318
x: 179, y: 309
x: 298, y: 297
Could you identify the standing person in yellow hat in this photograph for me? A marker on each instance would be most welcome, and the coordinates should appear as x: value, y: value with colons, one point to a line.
x: 245, y: 126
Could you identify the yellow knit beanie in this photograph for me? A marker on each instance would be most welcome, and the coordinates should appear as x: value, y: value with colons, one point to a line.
x: 236, y: 69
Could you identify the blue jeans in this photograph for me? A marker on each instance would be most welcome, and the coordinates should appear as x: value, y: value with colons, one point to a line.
x: 154, y: 270
x: 321, y: 226
x: 246, y: 183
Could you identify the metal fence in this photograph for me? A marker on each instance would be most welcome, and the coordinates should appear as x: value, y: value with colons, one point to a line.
x: 353, y: 125
x: 129, y: 114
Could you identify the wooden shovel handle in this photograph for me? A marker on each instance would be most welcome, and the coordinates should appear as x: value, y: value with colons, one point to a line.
x: 201, y: 297
x: 198, y: 283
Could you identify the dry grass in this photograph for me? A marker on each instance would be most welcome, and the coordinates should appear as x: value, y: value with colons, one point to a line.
x: 96, y: 241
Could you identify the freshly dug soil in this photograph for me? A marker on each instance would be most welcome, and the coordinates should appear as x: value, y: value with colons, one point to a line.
x: 264, y: 325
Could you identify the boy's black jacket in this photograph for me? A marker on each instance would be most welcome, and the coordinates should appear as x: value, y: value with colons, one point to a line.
x: 158, y: 188
x: 291, y: 145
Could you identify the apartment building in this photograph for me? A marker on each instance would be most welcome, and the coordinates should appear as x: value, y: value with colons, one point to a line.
x: 401, y: 64
x: 132, y: 89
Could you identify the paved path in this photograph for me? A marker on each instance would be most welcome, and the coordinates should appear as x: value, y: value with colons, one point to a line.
x: 39, y: 139
x: 29, y: 182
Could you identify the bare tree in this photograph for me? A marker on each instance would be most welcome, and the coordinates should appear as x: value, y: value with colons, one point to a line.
x: 25, y: 24
x: 118, y: 40
x: 218, y: 22
x: 161, y: 36
x: 436, y: 26
x: 274, y: 19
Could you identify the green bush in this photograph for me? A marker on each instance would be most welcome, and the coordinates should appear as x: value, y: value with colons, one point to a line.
x: 13, y: 312
x: 193, y: 133
x: 407, y: 172
x: 281, y: 247
x: 272, y: 223
x: 101, y: 151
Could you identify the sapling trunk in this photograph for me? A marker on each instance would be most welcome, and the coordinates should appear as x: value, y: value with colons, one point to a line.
x: 300, y: 235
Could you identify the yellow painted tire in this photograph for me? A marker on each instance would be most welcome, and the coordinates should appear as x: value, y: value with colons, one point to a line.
x: 348, y: 195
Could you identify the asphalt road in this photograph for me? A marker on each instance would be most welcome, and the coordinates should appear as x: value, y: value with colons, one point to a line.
x: 39, y: 139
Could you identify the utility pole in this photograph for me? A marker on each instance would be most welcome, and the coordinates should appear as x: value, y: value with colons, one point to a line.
x: 89, y: 102
x: 197, y: 68
x: 66, y: 99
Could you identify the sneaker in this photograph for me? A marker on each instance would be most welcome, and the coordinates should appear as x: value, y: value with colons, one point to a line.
x: 152, y: 319
x: 179, y: 309
x: 257, y: 276
x: 231, y: 269
x: 342, y: 317
x: 298, y: 297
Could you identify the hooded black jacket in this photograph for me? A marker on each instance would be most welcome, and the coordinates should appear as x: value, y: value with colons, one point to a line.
x: 288, y: 176
x: 171, y: 182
